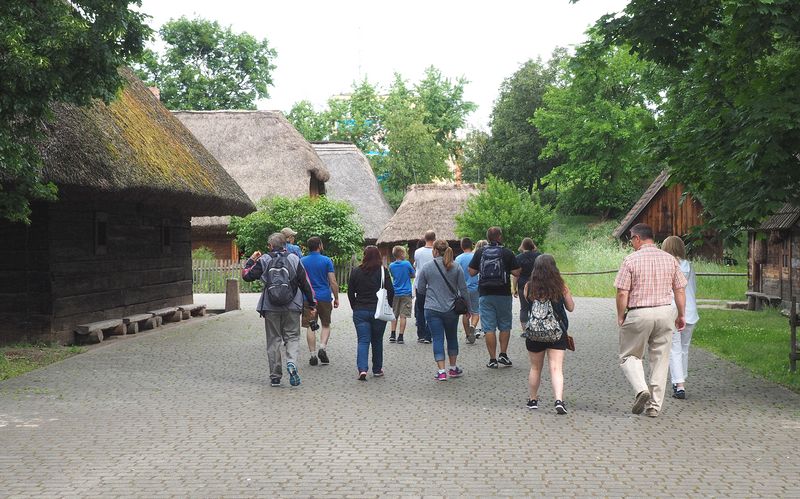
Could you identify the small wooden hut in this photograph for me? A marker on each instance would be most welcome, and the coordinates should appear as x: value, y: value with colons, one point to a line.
x: 352, y: 180
x: 774, y: 258
x: 264, y: 153
x: 426, y: 207
x: 117, y: 241
x: 669, y: 211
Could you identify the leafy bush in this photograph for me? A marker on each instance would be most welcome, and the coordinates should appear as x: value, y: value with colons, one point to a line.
x: 503, y: 205
x: 332, y: 221
x: 203, y: 253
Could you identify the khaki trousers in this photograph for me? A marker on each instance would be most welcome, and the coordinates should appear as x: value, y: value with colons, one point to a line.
x: 651, y: 329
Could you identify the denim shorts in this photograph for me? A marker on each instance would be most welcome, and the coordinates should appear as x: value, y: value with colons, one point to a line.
x: 474, y: 303
x: 496, y: 313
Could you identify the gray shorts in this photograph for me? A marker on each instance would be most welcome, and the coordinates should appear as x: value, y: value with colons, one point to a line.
x: 474, y: 303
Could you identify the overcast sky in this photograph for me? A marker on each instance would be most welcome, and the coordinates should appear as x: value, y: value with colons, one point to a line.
x: 324, y: 46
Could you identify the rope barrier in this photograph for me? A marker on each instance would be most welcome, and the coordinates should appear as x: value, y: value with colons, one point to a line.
x: 699, y: 274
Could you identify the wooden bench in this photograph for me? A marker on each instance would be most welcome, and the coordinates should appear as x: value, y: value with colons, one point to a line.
x: 94, y: 332
x: 141, y: 322
x: 756, y: 300
x: 169, y: 314
x: 192, y: 310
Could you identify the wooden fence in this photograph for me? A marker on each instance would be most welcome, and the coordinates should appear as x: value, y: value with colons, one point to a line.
x: 209, y: 276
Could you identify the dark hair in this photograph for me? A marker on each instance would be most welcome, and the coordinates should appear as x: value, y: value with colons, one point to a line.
x: 430, y: 236
x: 372, y: 259
x: 546, y: 282
x: 527, y: 245
x: 314, y: 243
x: 466, y: 243
x: 644, y: 231
x: 493, y: 234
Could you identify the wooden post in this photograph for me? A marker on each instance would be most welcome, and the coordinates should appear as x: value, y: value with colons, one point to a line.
x: 793, y: 356
x: 232, y: 295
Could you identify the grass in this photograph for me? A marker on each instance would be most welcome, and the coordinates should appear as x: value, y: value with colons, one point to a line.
x: 19, y: 359
x: 757, y: 341
x: 585, y: 244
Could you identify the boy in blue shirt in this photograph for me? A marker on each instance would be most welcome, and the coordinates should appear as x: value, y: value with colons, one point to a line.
x: 319, y: 269
x: 470, y: 324
x: 402, y: 273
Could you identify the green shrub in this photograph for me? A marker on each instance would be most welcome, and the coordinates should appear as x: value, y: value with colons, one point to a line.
x: 203, y: 253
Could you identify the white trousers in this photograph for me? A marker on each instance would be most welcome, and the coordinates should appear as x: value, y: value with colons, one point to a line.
x: 679, y: 356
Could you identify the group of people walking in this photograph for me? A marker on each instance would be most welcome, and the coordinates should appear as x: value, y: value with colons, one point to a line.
x: 654, y: 306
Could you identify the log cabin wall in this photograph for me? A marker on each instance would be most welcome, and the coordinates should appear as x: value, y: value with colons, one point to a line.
x: 223, y: 246
x: 774, y: 263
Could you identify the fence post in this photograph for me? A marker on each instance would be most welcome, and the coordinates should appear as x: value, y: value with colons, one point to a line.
x: 232, y: 295
x: 793, y: 356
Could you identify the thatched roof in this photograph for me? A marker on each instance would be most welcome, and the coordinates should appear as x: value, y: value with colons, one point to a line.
x: 134, y: 149
x: 641, y: 204
x: 426, y: 207
x: 785, y: 218
x: 353, y: 180
x: 260, y: 149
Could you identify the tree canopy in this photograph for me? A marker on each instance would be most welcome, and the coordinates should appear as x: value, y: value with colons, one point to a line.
x: 206, y: 66
x: 54, y: 51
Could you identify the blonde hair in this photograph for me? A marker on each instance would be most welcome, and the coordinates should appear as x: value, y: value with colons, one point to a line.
x: 399, y: 252
x: 675, y: 247
x: 445, y: 251
x: 480, y: 244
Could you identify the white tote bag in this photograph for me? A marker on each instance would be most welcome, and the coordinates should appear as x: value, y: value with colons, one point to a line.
x: 384, y: 310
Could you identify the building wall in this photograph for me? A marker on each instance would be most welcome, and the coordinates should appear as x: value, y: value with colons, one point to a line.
x: 777, y: 273
x: 145, y: 264
x: 223, y: 246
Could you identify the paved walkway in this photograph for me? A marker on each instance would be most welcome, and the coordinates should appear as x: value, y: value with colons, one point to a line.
x: 186, y: 411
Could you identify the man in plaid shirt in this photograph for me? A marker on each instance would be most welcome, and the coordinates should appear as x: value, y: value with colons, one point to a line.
x: 646, y: 283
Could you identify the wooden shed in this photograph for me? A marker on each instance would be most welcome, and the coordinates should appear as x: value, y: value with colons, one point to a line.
x: 670, y: 211
x: 426, y: 207
x: 774, y: 257
x: 264, y: 153
x: 352, y: 180
x: 117, y: 241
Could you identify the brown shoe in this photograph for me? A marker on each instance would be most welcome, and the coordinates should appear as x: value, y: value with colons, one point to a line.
x: 642, y: 398
x: 470, y: 335
x: 651, y: 412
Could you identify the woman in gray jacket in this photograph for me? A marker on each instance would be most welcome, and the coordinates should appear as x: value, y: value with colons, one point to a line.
x: 439, y: 314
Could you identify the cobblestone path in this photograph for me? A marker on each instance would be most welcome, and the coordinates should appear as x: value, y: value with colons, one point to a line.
x: 187, y: 411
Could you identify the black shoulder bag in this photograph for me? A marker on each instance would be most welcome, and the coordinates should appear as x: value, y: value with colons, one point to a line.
x: 459, y: 303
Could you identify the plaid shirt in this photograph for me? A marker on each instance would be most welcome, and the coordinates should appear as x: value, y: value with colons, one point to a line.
x: 650, y: 275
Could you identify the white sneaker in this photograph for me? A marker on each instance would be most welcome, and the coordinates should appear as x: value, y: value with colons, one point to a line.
x: 478, y: 332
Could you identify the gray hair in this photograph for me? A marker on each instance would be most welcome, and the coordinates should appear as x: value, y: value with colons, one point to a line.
x: 277, y: 241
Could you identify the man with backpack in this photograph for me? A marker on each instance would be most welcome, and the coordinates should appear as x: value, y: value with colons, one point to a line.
x: 496, y: 265
x: 281, y: 303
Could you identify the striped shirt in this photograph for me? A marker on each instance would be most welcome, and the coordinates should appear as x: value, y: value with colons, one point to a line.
x: 649, y: 275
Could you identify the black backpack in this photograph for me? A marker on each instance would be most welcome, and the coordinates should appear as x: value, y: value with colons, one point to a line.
x: 280, y: 283
x: 493, y: 271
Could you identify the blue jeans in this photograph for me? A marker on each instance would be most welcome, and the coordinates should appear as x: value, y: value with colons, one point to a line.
x: 441, y: 325
x: 423, y: 332
x: 370, y: 332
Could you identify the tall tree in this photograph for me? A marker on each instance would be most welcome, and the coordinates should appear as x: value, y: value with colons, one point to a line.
x: 516, y: 143
x: 357, y: 117
x: 54, y: 51
x: 311, y: 124
x: 206, y: 66
x: 599, y: 123
x: 445, y: 107
x: 476, y: 160
x: 731, y: 120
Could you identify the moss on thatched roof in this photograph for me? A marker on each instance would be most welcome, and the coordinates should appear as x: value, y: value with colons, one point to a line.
x: 428, y: 207
x: 134, y: 149
x: 260, y: 149
x: 353, y: 180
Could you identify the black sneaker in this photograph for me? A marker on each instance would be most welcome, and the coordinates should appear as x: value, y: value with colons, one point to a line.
x: 392, y: 338
x: 313, y: 360
x: 400, y: 340
x: 492, y: 364
x: 323, y: 357
x: 504, y: 360
x: 561, y: 407
x: 532, y: 404
x: 427, y: 341
x: 420, y: 340
x: 275, y: 382
x: 680, y: 393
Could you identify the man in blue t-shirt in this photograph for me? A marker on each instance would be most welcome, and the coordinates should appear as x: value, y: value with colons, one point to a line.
x: 289, y: 234
x: 470, y: 323
x: 319, y: 269
x: 402, y: 273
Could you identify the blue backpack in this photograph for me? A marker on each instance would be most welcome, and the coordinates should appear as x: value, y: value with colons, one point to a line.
x: 493, y: 271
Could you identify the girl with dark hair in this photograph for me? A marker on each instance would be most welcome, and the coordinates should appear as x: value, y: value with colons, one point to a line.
x: 546, y: 284
x: 442, y: 281
x: 528, y: 253
x: 362, y: 286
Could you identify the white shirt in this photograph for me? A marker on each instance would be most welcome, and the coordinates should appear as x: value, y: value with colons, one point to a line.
x: 691, y: 292
x: 421, y: 257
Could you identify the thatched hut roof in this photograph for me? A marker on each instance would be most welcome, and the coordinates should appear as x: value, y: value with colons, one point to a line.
x: 353, y: 180
x: 133, y: 149
x: 428, y: 206
x: 260, y: 149
x: 641, y: 204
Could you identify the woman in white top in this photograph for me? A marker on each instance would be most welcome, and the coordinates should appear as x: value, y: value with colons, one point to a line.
x: 679, y: 356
